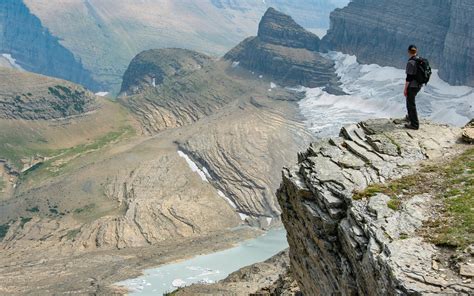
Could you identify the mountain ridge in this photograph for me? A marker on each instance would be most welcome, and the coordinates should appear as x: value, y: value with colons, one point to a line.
x: 285, y: 52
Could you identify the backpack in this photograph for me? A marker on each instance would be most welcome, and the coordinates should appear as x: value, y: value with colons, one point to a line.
x: 423, y: 70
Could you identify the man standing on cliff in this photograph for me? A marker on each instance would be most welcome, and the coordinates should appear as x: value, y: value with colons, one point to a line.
x: 412, y: 87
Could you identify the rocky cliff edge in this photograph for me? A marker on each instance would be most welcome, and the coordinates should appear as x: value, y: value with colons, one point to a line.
x: 370, y: 246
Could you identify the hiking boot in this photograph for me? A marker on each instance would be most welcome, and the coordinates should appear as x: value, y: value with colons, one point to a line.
x: 402, y: 120
x: 409, y: 126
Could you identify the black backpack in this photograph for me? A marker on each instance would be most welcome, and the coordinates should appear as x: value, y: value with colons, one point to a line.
x: 423, y: 70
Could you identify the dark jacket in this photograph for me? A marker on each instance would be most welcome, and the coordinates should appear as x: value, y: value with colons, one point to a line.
x: 411, y: 73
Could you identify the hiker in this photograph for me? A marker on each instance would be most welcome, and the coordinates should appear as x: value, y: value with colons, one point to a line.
x: 412, y: 87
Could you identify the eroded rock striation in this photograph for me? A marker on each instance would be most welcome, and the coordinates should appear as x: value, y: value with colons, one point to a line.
x: 343, y: 246
x: 380, y: 32
x: 33, y: 97
x: 151, y: 67
x: 285, y: 52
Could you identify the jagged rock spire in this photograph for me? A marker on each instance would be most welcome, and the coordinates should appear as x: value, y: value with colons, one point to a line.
x: 280, y: 29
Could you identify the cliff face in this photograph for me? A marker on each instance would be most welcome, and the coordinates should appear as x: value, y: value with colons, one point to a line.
x: 343, y: 246
x: 457, y: 65
x: 285, y: 52
x: 380, y: 32
x: 280, y: 29
x: 35, y: 49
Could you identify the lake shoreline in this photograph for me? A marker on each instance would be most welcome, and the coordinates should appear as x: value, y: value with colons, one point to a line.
x: 206, y: 268
x: 98, y: 272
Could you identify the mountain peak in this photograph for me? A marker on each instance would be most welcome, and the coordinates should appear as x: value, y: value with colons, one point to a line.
x: 280, y: 29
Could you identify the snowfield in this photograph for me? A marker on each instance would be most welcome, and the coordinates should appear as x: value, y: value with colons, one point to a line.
x: 374, y: 91
x: 10, y: 61
x: 204, y: 174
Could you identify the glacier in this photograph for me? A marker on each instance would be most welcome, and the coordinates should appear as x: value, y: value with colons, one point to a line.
x: 373, y: 91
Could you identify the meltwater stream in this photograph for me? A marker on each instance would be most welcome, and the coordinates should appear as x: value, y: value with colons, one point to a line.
x: 208, y: 268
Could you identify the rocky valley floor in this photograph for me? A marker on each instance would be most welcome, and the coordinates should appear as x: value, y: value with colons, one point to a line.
x: 81, y: 213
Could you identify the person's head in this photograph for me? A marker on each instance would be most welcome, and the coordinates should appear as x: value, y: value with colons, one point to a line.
x: 412, y: 50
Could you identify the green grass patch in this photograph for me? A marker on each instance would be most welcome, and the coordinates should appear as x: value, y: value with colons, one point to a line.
x: 452, y: 183
x: 100, y: 142
x: 171, y: 293
x: 394, y: 204
x: 455, y: 227
x: 393, y: 188
x: 50, y: 169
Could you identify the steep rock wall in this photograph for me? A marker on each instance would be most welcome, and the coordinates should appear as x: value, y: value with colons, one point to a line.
x: 342, y: 246
x: 285, y: 52
x: 380, y: 32
x: 35, y: 48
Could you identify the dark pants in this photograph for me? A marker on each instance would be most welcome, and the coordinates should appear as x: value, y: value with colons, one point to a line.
x: 411, y: 106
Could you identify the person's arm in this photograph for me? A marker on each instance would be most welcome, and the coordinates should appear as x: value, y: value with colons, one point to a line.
x: 411, y: 69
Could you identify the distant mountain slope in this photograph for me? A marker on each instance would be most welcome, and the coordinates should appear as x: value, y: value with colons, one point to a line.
x: 42, y: 117
x: 106, y: 34
x: 24, y: 38
x: 286, y: 53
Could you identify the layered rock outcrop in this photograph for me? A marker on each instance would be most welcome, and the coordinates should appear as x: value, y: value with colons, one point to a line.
x: 35, y: 48
x: 380, y: 32
x: 285, y: 52
x: 343, y: 246
x: 174, y: 87
x: 150, y: 68
x: 280, y: 29
x: 33, y: 97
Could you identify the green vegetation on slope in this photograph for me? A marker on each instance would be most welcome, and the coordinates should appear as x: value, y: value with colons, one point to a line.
x: 452, y: 185
x: 57, y: 164
x: 23, y: 140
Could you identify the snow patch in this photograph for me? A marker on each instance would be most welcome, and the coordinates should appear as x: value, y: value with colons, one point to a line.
x: 193, y: 166
x: 374, y: 91
x: 235, y: 64
x: 221, y: 194
x: 243, y: 216
x: 204, y: 174
x: 102, y: 93
x: 178, y: 283
x: 273, y: 85
x: 12, y: 61
x: 269, y: 220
